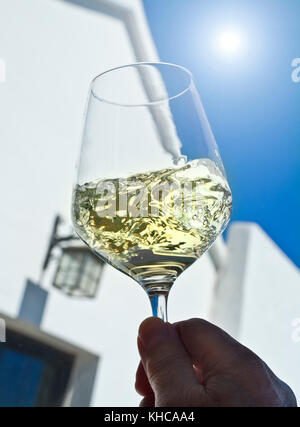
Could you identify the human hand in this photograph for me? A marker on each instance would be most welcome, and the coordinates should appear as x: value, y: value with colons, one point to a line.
x: 196, y: 364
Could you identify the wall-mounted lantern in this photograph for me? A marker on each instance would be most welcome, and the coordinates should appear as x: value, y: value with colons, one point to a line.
x: 78, y: 270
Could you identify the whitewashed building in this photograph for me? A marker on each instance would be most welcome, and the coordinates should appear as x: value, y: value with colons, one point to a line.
x: 50, y: 50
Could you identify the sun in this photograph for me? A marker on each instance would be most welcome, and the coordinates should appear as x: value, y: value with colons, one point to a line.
x: 230, y: 42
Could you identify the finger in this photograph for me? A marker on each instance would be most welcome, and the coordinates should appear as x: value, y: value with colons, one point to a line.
x: 142, y: 385
x: 211, y: 349
x: 198, y: 373
x: 148, y: 402
x: 168, y: 367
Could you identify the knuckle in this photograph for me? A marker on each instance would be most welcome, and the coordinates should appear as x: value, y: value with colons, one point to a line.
x: 247, y: 356
x: 289, y: 398
x: 196, y: 322
x: 192, y: 325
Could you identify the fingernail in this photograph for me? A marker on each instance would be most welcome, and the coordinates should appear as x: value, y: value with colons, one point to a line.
x: 153, y: 332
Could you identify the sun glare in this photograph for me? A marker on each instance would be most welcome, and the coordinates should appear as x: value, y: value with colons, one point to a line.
x: 230, y: 42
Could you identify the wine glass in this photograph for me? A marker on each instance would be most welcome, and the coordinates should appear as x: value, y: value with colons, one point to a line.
x: 151, y: 194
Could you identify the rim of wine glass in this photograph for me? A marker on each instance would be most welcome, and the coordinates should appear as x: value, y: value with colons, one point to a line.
x: 146, y: 104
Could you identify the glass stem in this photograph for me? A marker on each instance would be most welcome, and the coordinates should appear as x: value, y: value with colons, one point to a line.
x: 159, y: 303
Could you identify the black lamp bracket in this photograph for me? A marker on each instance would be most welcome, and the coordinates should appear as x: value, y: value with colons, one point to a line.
x: 55, y: 240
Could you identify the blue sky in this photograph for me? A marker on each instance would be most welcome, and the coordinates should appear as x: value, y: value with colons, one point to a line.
x: 251, y: 101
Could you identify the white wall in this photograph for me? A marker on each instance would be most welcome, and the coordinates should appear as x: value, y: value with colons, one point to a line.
x: 257, y: 300
x: 52, y: 51
x: 270, y: 305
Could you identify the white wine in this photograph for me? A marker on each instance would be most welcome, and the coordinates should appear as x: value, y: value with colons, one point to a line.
x: 152, y: 226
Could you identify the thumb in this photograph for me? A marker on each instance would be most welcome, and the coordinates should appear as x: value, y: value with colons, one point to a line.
x: 167, y: 365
